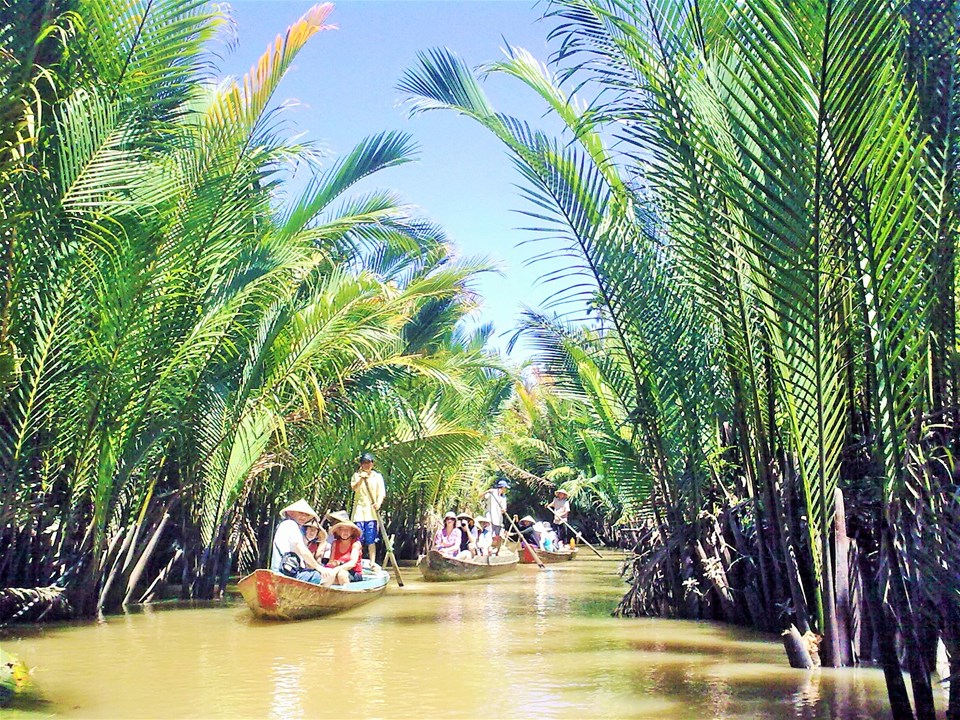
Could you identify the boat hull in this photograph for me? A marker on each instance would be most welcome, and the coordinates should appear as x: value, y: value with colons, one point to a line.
x: 273, y: 596
x: 436, y: 568
x: 546, y: 557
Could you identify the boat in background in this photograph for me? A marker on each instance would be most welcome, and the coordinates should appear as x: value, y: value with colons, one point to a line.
x: 547, y: 557
x: 273, y: 596
x: 437, y: 568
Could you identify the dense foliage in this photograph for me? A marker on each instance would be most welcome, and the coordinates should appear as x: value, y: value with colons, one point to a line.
x: 766, y: 370
x: 185, y: 344
x: 751, y: 360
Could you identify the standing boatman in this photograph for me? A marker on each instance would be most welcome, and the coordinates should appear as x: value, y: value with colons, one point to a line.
x: 369, y: 493
x: 495, y: 505
x: 560, y: 506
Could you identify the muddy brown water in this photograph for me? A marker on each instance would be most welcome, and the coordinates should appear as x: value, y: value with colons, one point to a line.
x: 532, y: 644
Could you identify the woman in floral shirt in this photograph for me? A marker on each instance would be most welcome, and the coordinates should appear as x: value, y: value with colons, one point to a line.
x: 447, y: 540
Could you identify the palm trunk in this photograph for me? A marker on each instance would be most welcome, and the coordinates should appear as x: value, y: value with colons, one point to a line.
x: 145, y: 558
x: 786, y: 531
x: 885, y: 628
x: 842, y: 554
x: 919, y: 673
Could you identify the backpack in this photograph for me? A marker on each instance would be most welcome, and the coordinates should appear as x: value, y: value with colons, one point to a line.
x: 289, y: 563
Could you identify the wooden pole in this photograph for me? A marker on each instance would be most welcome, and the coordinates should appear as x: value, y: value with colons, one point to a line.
x: 524, y: 543
x: 383, y: 533
x: 574, y: 531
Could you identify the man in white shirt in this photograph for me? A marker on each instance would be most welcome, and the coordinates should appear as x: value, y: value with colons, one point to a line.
x: 369, y: 492
x: 495, y: 505
x: 288, y: 538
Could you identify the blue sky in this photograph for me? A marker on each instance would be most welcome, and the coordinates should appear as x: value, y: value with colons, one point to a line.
x: 344, y: 82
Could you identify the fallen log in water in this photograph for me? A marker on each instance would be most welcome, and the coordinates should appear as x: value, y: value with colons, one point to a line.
x: 33, y: 605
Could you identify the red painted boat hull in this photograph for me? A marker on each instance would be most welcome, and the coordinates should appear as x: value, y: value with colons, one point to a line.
x: 274, y: 596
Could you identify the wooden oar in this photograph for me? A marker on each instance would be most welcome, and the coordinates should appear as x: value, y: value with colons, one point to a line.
x: 524, y: 543
x: 383, y: 533
x: 574, y: 531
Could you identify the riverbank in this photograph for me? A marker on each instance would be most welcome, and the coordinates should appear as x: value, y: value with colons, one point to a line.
x: 534, y: 644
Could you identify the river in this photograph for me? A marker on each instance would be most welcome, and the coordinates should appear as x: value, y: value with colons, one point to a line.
x: 531, y: 644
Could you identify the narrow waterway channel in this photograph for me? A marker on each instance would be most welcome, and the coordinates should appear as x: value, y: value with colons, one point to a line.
x: 532, y: 644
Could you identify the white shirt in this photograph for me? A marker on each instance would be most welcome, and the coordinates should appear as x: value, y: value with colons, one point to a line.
x: 484, y: 541
x: 285, y: 539
x: 364, y: 504
x: 496, y: 506
x: 561, y: 508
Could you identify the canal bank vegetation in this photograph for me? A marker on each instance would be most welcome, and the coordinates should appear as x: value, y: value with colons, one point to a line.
x: 188, y: 340
x: 758, y: 203
x: 751, y: 358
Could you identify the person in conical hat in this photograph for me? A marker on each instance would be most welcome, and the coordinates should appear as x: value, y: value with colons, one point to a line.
x: 484, y: 536
x: 300, y: 512
x: 560, y: 506
x: 315, y: 537
x: 332, y: 518
x: 291, y: 555
x: 346, y: 529
x: 547, y: 536
x: 529, y: 530
x: 495, y: 508
x: 346, y: 553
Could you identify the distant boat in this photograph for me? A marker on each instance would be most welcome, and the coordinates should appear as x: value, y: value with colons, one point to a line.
x: 546, y: 556
x: 274, y: 596
x: 437, y: 568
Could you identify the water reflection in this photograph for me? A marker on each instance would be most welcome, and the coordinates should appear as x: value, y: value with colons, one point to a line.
x: 808, y: 696
x: 531, y: 644
x: 288, y: 691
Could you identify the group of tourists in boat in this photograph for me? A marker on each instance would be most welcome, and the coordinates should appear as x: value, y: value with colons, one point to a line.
x: 303, y: 549
x: 462, y: 537
x: 328, y: 553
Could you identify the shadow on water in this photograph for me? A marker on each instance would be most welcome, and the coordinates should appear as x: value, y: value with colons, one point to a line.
x: 530, y: 644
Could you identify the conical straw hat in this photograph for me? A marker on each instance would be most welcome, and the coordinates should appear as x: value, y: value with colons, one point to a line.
x: 355, y: 532
x: 338, y: 516
x: 300, y: 506
x: 321, y: 533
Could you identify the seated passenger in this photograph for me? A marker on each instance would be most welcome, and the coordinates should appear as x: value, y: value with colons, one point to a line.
x: 468, y: 538
x: 548, y: 538
x: 316, y: 539
x: 529, y: 531
x: 345, y: 553
x: 448, y: 537
x: 484, y: 536
x: 288, y: 541
x: 332, y: 518
x: 474, y: 530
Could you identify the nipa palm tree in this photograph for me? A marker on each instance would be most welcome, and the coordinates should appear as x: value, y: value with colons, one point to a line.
x: 759, y: 250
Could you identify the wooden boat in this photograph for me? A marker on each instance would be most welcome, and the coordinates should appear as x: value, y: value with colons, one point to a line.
x: 274, y: 596
x: 547, y: 557
x: 437, y: 568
